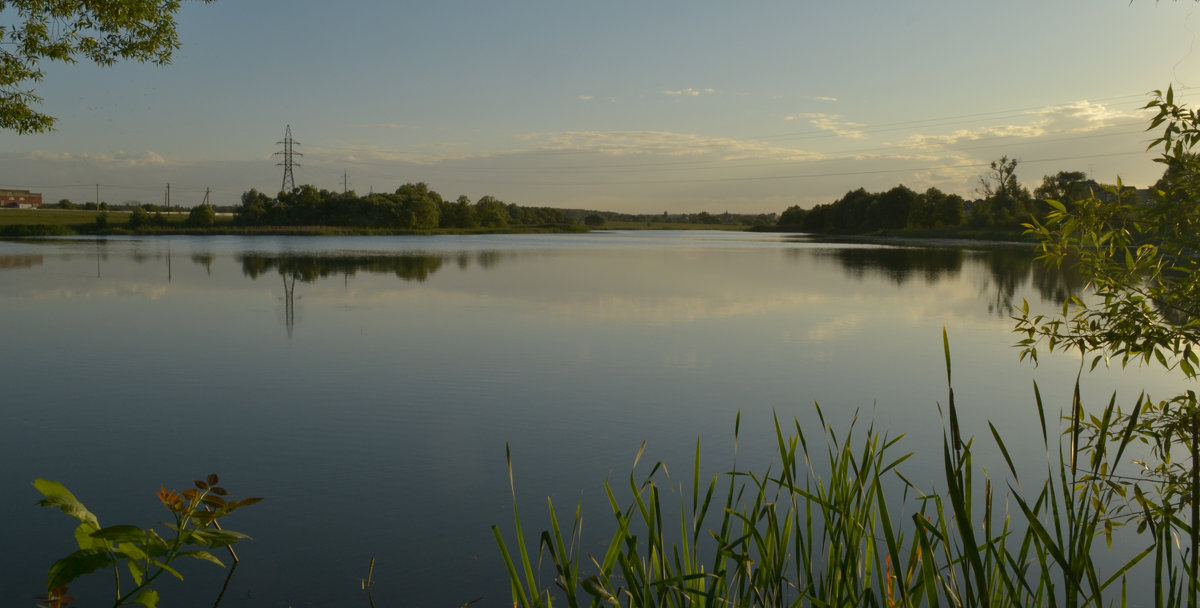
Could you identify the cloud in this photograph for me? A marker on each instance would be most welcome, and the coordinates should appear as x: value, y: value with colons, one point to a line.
x: 689, y: 92
x: 664, y: 143
x: 832, y: 123
x: 1074, y: 118
x: 113, y: 159
x: 387, y: 125
x: 585, y: 97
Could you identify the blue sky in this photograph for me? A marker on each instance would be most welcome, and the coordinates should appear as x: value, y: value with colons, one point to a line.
x: 645, y: 106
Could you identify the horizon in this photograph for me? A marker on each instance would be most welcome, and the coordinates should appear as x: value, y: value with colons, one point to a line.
x: 626, y: 108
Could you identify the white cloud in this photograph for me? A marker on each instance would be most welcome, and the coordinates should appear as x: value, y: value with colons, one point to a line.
x: 1075, y: 118
x: 585, y: 97
x: 664, y: 143
x: 114, y: 159
x: 690, y: 92
x: 832, y: 123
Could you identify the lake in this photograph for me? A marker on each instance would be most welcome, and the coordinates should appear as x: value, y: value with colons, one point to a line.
x: 367, y: 387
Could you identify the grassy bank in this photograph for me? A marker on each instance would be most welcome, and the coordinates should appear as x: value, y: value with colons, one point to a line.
x: 62, y: 222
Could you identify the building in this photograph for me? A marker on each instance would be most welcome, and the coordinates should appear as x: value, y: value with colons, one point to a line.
x: 20, y: 199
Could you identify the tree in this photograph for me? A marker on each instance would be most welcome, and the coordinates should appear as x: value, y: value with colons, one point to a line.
x: 67, y: 30
x: 1143, y: 263
x: 792, y: 216
x: 594, y: 220
x: 1005, y: 200
x: 1063, y: 186
x: 202, y: 216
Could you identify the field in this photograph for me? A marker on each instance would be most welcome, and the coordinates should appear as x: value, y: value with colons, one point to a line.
x: 57, y: 217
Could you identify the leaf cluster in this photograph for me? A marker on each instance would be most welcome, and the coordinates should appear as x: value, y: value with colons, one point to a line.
x: 70, y: 30
x: 144, y: 552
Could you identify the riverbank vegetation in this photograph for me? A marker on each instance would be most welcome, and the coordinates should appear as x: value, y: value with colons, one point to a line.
x: 1000, y: 213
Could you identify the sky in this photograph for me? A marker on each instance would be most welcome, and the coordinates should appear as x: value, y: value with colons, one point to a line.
x: 646, y: 106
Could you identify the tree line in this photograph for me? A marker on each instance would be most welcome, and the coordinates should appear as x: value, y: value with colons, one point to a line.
x: 1005, y: 204
x: 410, y: 207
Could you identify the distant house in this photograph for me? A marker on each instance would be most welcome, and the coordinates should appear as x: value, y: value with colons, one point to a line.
x: 20, y: 199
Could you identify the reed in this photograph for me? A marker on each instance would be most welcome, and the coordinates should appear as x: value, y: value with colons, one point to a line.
x: 824, y: 532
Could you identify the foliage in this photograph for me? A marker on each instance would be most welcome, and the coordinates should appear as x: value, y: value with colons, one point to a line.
x: 595, y: 220
x: 861, y: 212
x: 807, y: 534
x: 67, y: 30
x: 201, y: 216
x: 143, y: 552
x: 411, y: 207
x: 1141, y: 256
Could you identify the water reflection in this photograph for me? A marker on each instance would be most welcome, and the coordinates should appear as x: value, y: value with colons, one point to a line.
x: 1010, y: 268
x: 309, y: 268
x: 11, y: 262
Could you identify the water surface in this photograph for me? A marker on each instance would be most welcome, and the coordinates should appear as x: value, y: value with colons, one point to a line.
x: 368, y: 386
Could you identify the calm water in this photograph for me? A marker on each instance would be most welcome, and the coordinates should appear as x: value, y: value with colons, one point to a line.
x: 367, y: 387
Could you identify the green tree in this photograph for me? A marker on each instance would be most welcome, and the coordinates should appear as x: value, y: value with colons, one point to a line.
x: 1063, y: 186
x: 202, y: 216
x: 594, y: 220
x: 68, y: 30
x: 491, y: 212
x: 792, y: 216
x: 138, y: 218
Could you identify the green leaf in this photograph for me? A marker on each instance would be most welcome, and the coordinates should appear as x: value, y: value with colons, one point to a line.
x: 203, y: 556
x: 135, y: 569
x: 164, y: 566
x: 121, y: 534
x: 85, y: 540
x: 147, y: 598
x: 57, y: 495
x: 216, y: 538
x: 77, y: 564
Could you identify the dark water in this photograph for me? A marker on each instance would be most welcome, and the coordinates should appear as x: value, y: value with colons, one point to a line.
x: 367, y: 387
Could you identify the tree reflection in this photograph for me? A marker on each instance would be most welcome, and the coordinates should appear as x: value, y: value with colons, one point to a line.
x: 899, y: 264
x: 309, y: 268
x: 1009, y: 268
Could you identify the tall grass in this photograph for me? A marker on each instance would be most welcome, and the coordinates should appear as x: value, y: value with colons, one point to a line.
x: 812, y: 531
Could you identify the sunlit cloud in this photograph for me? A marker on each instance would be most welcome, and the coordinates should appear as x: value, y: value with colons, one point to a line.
x: 1075, y: 118
x: 832, y: 123
x: 665, y: 143
x: 689, y: 92
x: 586, y: 97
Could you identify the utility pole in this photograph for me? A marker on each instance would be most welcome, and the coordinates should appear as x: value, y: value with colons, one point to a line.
x: 97, y: 196
x: 345, y: 182
x: 289, y: 182
x: 167, y: 200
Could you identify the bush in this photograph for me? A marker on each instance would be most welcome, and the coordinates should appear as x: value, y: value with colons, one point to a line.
x: 202, y: 216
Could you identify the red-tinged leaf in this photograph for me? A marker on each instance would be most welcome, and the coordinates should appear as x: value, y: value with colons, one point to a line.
x: 200, y: 484
x: 212, y: 479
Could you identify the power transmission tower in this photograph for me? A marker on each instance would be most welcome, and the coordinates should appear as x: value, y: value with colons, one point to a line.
x: 289, y: 183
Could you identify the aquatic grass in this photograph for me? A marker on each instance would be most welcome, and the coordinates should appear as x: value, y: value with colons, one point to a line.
x: 826, y: 532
